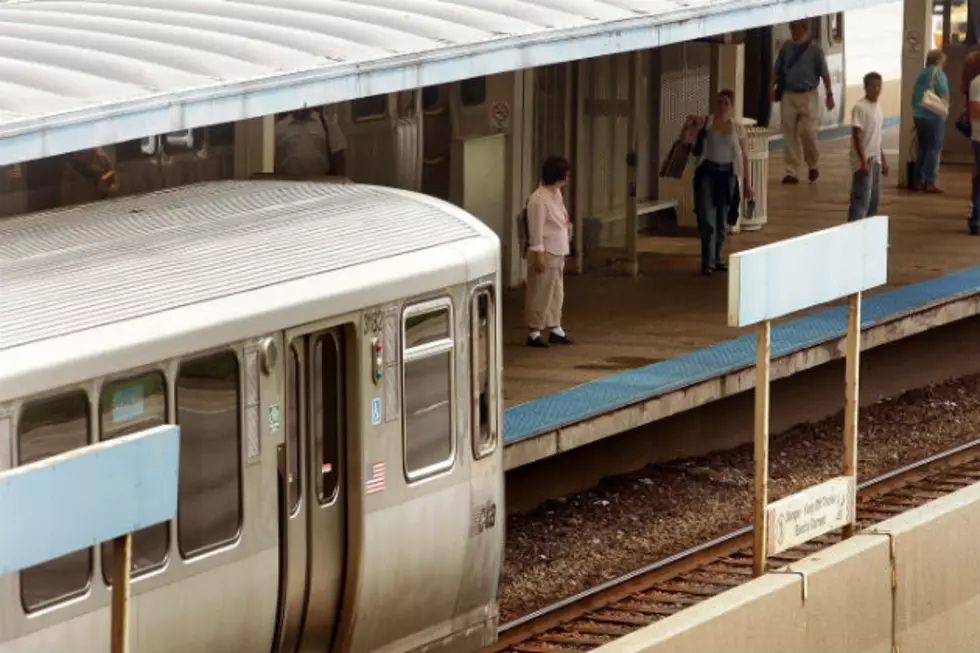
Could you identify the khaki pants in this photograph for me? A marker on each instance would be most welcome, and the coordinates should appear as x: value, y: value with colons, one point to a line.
x: 545, y: 292
x: 800, y: 115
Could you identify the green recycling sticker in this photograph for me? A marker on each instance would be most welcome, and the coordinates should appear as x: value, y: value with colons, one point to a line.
x: 275, y: 418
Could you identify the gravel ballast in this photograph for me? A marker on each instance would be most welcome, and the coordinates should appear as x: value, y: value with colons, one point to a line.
x: 572, y: 544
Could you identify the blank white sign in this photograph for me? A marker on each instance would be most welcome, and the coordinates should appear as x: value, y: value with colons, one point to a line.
x: 788, y: 276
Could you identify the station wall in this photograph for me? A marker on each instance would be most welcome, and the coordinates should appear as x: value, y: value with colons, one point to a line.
x: 912, y: 584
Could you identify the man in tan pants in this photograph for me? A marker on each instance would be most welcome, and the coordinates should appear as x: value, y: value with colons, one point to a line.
x: 800, y: 66
x: 549, y: 236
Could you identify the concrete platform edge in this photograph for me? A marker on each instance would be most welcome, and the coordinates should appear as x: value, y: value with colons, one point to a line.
x: 892, y: 328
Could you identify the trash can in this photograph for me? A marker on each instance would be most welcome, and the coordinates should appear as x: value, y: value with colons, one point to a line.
x: 758, y: 156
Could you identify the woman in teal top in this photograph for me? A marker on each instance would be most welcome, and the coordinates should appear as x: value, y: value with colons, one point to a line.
x: 929, y: 127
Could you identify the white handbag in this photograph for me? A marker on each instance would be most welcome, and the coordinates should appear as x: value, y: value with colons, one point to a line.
x: 932, y: 102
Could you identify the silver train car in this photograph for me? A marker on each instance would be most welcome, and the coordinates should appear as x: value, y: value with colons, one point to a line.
x: 331, y: 354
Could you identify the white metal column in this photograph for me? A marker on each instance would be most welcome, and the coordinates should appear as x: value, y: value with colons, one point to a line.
x: 916, y: 40
x: 728, y: 71
x: 255, y: 146
x: 522, y: 177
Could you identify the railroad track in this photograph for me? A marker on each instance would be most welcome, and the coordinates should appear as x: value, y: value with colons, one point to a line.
x: 616, y: 608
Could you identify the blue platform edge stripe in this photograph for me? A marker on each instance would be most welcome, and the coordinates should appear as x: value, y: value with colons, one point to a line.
x: 78, y: 499
x: 625, y: 388
x: 776, y: 142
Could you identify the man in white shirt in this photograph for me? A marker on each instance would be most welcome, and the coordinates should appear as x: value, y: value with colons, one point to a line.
x: 309, y: 145
x: 867, y: 159
x: 973, y: 222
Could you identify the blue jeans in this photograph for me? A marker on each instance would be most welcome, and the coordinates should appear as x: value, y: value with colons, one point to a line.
x: 714, y: 191
x: 929, y: 133
x: 864, y: 192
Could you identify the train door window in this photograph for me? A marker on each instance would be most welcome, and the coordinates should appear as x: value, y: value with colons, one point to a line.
x: 329, y: 410
x: 962, y: 25
x: 371, y: 108
x: 209, y: 507
x: 473, y: 91
x: 48, y: 427
x: 128, y: 406
x: 484, y: 373
x: 427, y: 388
x: 294, y: 382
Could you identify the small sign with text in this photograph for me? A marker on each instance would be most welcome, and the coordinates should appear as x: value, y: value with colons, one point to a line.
x: 810, y: 513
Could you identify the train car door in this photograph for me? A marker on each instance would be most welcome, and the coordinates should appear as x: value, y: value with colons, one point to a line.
x: 313, y: 520
x: 832, y: 40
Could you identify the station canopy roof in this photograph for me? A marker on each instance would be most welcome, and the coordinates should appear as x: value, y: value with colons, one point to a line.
x: 80, y: 73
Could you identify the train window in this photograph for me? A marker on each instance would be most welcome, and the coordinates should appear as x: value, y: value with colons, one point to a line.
x: 484, y: 374
x: 209, y: 507
x: 48, y: 427
x: 427, y: 388
x: 222, y: 134
x: 961, y: 30
x: 329, y: 404
x: 473, y: 91
x: 293, y: 384
x: 370, y: 108
x: 430, y: 97
x: 127, y: 406
x: 424, y: 328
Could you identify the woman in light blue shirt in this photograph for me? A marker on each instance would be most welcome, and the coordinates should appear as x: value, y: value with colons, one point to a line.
x: 929, y: 127
x: 722, y: 159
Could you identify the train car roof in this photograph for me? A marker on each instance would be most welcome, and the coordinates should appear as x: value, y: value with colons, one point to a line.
x: 180, y: 263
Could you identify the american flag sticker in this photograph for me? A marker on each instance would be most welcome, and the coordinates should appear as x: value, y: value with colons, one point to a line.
x: 375, y: 478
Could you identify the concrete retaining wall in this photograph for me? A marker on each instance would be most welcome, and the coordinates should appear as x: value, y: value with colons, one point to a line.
x: 912, y: 585
x: 937, y: 565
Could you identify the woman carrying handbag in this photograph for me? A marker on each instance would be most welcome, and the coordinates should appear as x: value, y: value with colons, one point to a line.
x: 930, y: 104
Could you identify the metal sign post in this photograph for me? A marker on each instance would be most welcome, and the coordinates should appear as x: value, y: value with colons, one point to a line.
x: 851, y: 380
x: 80, y: 498
x: 760, y: 451
x: 774, y: 281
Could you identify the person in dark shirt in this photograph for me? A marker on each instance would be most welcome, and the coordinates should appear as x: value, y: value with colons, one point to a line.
x: 799, y: 69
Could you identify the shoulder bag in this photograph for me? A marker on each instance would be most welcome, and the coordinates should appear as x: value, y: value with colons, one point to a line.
x: 785, y: 68
x: 932, y: 102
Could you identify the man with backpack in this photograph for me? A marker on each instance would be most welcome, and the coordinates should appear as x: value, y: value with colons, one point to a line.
x: 800, y: 66
x: 308, y: 145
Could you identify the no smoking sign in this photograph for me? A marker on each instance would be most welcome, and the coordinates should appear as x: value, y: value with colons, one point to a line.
x: 499, y: 114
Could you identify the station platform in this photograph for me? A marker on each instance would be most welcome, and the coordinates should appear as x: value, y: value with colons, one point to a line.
x: 656, y: 345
